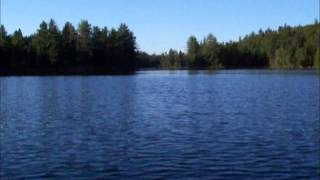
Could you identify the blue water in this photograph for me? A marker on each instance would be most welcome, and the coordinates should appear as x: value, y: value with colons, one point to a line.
x: 236, y: 124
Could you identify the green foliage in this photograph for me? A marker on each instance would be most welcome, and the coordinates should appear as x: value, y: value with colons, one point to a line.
x: 172, y: 60
x: 68, y: 45
x: 84, y: 44
x: 282, y: 58
x: 125, y: 47
x: 85, y: 50
x: 144, y: 60
x: 94, y: 50
x: 3, y: 35
x: 210, y: 51
x: 41, y: 45
x: 287, y: 47
x: 193, y: 51
x: 17, y: 39
x: 54, y: 40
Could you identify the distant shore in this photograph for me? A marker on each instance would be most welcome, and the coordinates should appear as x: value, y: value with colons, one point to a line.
x: 101, y: 72
x: 90, y: 50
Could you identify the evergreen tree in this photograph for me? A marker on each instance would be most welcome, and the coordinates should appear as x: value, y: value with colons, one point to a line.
x: 126, y: 47
x: 17, y: 49
x: 69, y: 40
x: 84, y: 44
x: 41, y: 45
x: 54, y: 40
x: 4, y: 50
x: 3, y: 35
x: 17, y: 39
x: 99, y: 50
x: 210, y: 51
x: 193, y: 48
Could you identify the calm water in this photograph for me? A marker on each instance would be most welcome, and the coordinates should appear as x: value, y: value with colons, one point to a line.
x: 162, y: 124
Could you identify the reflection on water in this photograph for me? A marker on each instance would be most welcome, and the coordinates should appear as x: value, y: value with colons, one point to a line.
x: 159, y: 124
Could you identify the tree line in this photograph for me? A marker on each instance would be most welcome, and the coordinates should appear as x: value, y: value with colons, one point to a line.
x: 86, y: 49
x: 286, y: 47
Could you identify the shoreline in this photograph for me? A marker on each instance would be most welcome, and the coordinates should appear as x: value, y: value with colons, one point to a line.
x: 129, y: 73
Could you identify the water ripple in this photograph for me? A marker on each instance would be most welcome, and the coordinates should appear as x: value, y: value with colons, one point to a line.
x: 161, y: 125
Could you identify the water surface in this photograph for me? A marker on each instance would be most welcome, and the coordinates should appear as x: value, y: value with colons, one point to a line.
x: 162, y: 124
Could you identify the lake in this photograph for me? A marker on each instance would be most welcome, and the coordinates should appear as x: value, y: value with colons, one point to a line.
x: 230, y: 124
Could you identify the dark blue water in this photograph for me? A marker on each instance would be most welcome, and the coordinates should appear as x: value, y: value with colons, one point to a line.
x: 162, y: 124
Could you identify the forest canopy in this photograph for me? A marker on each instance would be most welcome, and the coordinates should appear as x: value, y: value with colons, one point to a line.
x: 87, y: 49
x: 286, y: 47
x: 84, y: 49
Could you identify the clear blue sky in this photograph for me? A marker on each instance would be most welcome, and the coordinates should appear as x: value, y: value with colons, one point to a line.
x: 163, y: 24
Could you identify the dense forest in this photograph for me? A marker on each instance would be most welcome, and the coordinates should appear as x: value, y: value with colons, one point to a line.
x: 89, y: 49
x: 287, y: 47
x: 85, y: 50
